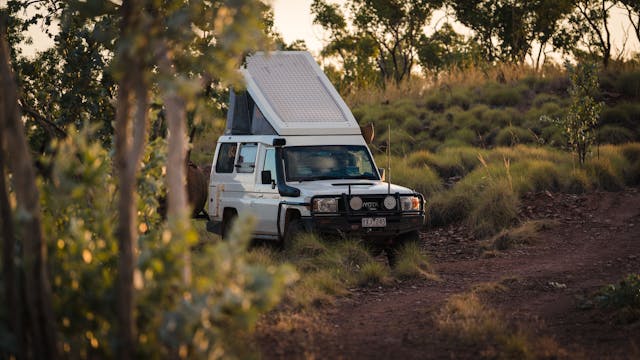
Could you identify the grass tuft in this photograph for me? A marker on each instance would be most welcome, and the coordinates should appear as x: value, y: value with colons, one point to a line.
x: 494, y: 209
x: 524, y: 234
x: 373, y: 273
x: 413, y: 263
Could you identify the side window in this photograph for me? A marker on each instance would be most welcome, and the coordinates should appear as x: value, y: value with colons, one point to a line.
x: 226, y: 158
x: 270, y: 162
x: 247, y: 158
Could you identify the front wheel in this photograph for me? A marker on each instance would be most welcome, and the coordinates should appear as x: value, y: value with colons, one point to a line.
x: 295, y: 228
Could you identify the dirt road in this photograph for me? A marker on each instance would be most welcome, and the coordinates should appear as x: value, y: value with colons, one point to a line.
x: 544, y: 290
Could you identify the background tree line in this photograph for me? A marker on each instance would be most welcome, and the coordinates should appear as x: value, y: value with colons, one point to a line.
x: 377, y: 41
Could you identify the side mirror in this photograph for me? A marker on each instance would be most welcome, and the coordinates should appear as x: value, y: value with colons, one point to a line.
x: 266, y: 177
x: 382, y: 174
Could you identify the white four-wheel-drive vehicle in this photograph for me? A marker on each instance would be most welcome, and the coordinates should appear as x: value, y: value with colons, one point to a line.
x: 294, y: 156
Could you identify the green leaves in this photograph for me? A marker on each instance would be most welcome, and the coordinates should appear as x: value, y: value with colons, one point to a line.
x: 584, y: 112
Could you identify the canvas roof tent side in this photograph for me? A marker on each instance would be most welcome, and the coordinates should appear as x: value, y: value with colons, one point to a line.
x: 288, y: 94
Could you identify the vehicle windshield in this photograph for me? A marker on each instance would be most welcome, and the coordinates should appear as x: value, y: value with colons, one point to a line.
x: 305, y: 163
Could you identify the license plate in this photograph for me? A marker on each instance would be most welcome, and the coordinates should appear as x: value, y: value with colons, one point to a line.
x: 374, y: 222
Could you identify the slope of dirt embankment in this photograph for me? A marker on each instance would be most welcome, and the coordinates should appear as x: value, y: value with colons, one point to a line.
x: 544, y: 290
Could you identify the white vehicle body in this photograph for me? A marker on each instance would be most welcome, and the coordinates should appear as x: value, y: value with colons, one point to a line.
x: 293, y: 151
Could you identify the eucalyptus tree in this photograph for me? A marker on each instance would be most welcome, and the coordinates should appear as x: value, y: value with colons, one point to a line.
x: 42, y: 335
x: 633, y: 13
x: 386, y: 31
x: 590, y: 29
x: 509, y: 30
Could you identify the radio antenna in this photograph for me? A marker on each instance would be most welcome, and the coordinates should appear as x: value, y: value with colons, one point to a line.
x: 389, y: 160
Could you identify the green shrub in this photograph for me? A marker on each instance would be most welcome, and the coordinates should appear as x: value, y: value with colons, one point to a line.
x: 535, y: 175
x: 497, y: 117
x: 613, y: 134
x: 412, y: 263
x: 461, y: 97
x: 494, y: 209
x: 450, y: 206
x: 623, y: 297
x: 422, y: 179
x: 503, y: 95
x: 545, y: 99
x: 466, y: 136
x: 613, y: 116
x: 576, y: 181
x: 513, y: 135
x: 413, y: 125
x: 479, y: 110
x: 628, y: 84
x: 373, y: 273
x: 435, y: 102
x: 631, y: 152
x: 603, y: 175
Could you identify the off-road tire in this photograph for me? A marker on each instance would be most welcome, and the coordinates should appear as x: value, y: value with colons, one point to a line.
x: 295, y: 228
x: 228, y: 217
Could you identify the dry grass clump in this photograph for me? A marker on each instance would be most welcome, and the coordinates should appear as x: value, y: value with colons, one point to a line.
x: 524, y: 234
x: 315, y: 288
x: 603, y: 175
x: 494, y: 209
x: 467, y: 319
x: 373, y: 273
x: 536, y: 175
x: 413, y: 263
x: 420, y: 178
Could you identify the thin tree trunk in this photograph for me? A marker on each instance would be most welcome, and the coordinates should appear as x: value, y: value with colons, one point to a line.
x: 130, y: 135
x: 178, y: 210
x: 34, y: 251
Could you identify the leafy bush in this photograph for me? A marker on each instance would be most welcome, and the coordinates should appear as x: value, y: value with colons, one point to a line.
x: 577, y: 181
x: 535, y: 175
x: 513, y: 135
x: 422, y: 179
x: 603, y: 175
x: 613, y: 134
x: 209, y: 315
x: 628, y: 84
x: 497, y: 117
x: 503, y: 95
x: 623, y: 297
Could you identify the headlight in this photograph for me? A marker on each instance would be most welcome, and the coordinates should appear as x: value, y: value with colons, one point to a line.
x: 409, y: 203
x: 355, y: 203
x: 325, y: 205
x: 390, y: 202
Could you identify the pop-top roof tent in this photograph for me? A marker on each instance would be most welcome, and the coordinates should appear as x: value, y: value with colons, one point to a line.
x: 288, y: 94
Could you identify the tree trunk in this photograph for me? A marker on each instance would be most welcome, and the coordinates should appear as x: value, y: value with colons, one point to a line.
x: 34, y: 251
x: 178, y: 210
x: 130, y: 136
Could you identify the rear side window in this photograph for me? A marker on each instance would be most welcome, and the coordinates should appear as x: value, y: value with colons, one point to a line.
x: 270, y: 162
x: 247, y: 157
x: 226, y: 158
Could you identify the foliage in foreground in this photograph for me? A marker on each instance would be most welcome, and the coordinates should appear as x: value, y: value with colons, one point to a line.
x: 206, y: 317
